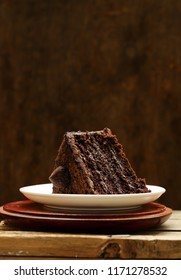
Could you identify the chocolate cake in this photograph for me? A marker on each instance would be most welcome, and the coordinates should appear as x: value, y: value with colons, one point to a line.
x: 94, y: 163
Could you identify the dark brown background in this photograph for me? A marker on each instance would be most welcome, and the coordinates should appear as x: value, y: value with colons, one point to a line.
x: 85, y: 65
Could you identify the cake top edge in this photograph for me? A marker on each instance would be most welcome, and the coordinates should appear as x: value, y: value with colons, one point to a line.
x: 106, y: 130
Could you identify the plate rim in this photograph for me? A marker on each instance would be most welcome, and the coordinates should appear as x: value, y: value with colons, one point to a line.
x: 159, y: 189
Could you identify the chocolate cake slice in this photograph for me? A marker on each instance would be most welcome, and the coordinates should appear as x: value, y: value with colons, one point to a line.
x: 94, y: 163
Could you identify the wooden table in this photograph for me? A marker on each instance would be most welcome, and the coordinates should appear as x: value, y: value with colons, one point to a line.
x: 161, y: 243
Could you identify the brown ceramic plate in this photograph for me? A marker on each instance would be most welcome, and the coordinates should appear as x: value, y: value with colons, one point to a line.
x: 34, y: 216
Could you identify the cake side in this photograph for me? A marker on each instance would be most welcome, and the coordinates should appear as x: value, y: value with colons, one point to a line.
x: 70, y: 174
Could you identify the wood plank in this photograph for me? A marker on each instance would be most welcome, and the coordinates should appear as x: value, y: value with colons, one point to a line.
x: 172, y: 225
x: 37, y: 244
x: 176, y: 215
x: 66, y: 246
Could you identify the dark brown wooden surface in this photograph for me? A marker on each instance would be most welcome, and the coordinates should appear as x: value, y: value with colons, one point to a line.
x: 84, y: 65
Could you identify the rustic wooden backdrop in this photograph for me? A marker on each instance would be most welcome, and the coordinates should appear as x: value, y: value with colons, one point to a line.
x: 85, y: 65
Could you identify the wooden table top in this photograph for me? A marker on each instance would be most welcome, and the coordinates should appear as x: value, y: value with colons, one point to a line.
x: 163, y: 242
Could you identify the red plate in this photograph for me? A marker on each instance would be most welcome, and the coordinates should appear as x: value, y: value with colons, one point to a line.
x: 34, y: 216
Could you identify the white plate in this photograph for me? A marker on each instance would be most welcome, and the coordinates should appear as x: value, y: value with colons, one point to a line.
x: 43, y: 194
